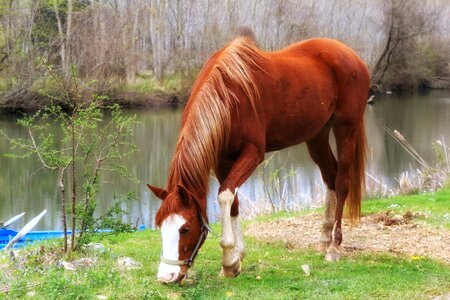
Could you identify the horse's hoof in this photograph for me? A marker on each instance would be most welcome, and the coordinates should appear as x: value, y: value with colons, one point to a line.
x: 332, y: 256
x: 232, y: 271
x: 323, y: 246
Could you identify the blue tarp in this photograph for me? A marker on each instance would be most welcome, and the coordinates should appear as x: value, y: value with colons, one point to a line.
x: 7, y: 234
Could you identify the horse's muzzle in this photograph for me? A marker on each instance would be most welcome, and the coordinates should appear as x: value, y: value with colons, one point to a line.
x: 172, y: 278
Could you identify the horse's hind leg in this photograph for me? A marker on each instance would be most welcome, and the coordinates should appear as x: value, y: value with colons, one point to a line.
x: 346, y: 139
x: 320, y: 151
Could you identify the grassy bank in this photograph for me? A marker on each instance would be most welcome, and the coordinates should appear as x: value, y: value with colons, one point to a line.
x: 270, y: 271
x: 144, y: 90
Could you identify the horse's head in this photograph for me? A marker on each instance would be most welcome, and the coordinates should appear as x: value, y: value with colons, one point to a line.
x: 183, y: 231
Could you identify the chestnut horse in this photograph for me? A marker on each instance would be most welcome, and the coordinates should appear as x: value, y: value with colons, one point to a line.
x: 246, y: 102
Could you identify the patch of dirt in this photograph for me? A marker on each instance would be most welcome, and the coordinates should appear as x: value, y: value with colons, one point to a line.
x: 383, y: 232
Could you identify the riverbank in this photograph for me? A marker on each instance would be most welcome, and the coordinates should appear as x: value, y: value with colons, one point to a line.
x: 271, y: 270
x: 126, y: 99
x: 144, y: 91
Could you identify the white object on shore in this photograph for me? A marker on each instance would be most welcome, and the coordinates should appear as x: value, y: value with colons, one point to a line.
x: 27, y: 228
x: 95, y: 247
x: 67, y: 266
x: 127, y: 263
x: 13, y: 219
x: 306, y: 270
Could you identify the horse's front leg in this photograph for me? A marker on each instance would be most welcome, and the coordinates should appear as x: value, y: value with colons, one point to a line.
x: 232, y: 242
x: 231, y: 266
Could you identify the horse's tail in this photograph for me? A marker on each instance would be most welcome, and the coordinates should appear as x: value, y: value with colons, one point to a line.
x: 357, y: 175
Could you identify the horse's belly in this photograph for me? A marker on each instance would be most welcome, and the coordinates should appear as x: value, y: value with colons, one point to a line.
x: 287, y: 137
x: 299, y: 102
x: 292, y: 127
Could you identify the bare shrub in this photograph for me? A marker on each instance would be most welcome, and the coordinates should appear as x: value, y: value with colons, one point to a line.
x: 406, y: 24
x: 98, y: 47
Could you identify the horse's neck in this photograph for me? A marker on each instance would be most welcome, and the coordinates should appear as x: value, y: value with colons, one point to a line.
x: 198, y: 186
x: 202, y: 206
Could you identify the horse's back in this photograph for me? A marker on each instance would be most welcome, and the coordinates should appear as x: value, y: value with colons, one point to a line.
x: 331, y: 51
x: 311, y: 81
x: 348, y: 68
x: 349, y: 72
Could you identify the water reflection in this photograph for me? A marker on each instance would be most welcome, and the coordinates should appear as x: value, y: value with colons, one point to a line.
x: 422, y: 119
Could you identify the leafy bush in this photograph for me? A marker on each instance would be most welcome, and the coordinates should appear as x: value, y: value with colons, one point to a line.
x: 92, y: 139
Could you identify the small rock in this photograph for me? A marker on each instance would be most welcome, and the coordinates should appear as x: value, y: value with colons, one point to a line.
x: 67, y: 266
x: 127, y: 263
x: 306, y: 270
x: 258, y: 277
x: 102, y: 297
x: 31, y: 294
x: 85, y: 262
x: 95, y: 247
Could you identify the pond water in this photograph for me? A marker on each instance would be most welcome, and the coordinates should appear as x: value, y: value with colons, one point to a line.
x: 288, y: 177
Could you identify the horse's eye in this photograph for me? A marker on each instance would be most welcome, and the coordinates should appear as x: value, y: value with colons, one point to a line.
x: 184, y: 230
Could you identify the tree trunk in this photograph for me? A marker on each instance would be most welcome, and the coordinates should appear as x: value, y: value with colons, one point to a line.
x: 73, y: 174
x: 63, y: 205
x: 68, y: 34
x: 62, y: 47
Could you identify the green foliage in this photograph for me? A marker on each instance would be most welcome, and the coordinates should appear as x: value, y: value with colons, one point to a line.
x: 112, y: 219
x: 93, y: 138
x: 171, y: 83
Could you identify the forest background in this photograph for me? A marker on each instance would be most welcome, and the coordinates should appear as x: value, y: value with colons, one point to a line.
x: 148, y: 52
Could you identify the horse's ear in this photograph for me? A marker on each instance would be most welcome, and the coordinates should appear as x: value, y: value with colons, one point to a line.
x: 160, y: 193
x: 185, y: 195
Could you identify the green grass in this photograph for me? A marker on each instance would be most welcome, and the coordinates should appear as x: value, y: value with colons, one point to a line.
x: 149, y: 84
x: 270, y: 271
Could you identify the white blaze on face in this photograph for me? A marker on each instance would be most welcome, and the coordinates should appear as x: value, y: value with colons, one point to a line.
x: 170, y: 237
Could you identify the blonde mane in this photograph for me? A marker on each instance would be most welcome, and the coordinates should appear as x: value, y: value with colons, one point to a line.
x: 207, y: 118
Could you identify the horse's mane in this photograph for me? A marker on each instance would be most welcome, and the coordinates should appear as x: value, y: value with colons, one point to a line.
x: 207, y: 117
